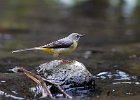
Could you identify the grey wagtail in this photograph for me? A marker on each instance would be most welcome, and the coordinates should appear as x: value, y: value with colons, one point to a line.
x: 60, y: 47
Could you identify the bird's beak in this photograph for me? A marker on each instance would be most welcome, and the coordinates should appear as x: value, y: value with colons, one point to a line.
x: 81, y: 35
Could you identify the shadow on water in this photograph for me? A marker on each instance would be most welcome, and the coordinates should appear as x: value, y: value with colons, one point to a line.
x: 110, y: 49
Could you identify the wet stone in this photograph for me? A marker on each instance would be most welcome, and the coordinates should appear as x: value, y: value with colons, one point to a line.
x: 69, y: 75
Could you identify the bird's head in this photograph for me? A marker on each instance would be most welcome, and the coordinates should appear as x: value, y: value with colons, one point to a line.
x: 75, y: 36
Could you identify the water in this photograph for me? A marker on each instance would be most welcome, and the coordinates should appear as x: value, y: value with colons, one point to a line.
x: 5, y: 95
x: 117, y: 75
x: 110, y: 49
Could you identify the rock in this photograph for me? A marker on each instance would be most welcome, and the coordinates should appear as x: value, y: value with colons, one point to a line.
x: 68, y: 75
x: 73, y: 77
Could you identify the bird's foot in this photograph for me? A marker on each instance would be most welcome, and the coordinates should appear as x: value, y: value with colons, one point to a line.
x: 65, y: 61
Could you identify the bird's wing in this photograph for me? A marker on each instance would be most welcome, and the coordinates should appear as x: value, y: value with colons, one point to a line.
x: 59, y: 44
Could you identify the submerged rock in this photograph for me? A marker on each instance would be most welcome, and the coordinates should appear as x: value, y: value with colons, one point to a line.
x: 69, y: 75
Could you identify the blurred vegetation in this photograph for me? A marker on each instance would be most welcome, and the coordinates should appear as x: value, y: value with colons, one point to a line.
x: 14, y: 13
x: 103, y: 20
x: 110, y: 25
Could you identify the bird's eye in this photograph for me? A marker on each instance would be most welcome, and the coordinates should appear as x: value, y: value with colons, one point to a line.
x: 77, y: 36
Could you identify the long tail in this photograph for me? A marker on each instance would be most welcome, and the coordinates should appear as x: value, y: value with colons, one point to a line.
x: 27, y: 49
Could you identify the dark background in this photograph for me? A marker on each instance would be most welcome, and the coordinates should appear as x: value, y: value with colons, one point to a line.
x: 111, y: 44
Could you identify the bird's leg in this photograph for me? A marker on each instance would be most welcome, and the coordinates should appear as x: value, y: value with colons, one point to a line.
x: 58, y: 56
x: 63, y: 61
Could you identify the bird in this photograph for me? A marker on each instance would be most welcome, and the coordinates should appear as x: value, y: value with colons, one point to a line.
x: 60, y: 47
